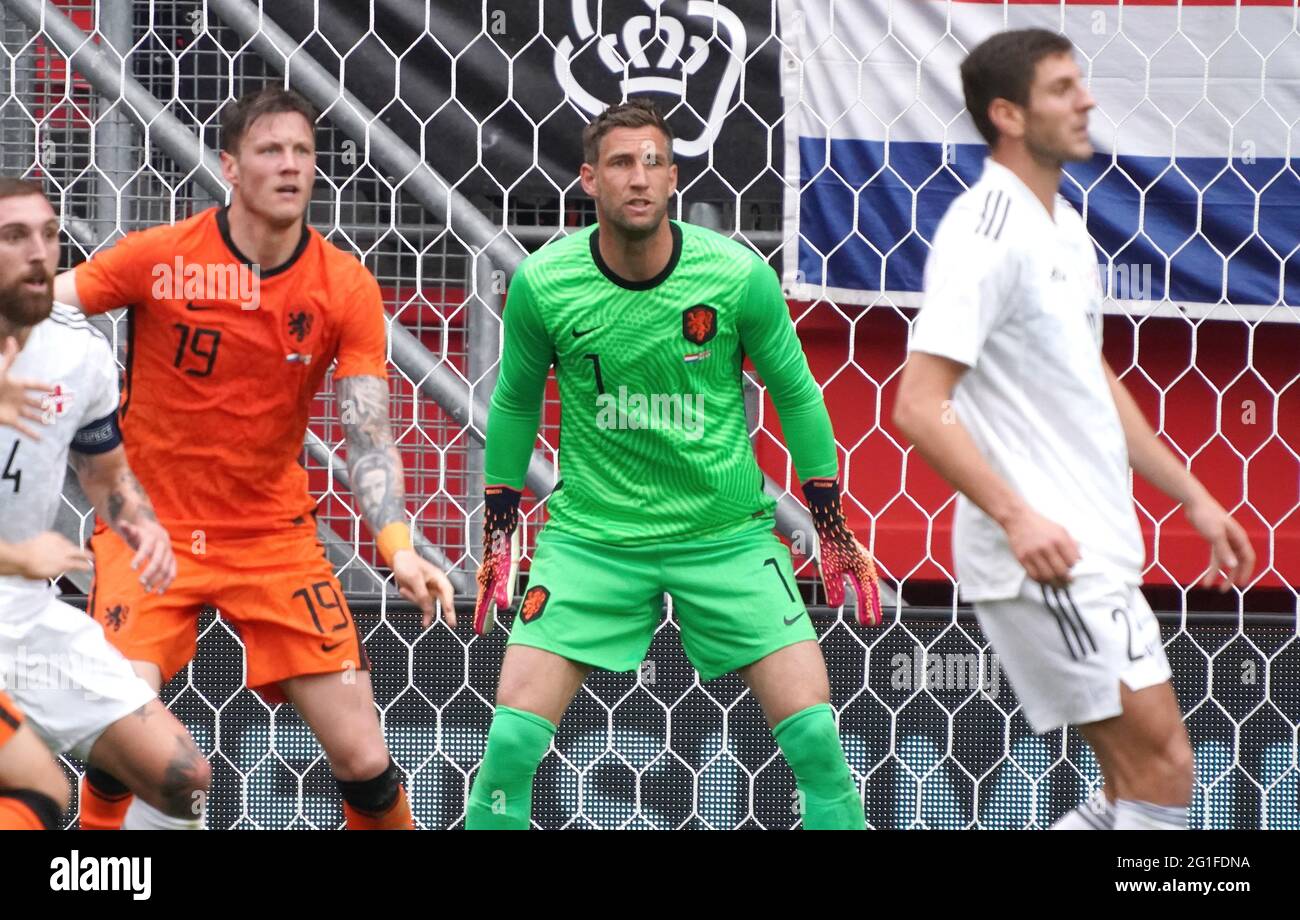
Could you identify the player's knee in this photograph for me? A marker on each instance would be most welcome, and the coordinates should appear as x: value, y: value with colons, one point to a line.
x: 517, y: 691
x: 375, y: 795
x: 358, y: 763
x: 1166, y: 756
x: 1178, y: 765
x: 202, y: 774
x: 517, y: 742
x: 1159, y: 770
x: 48, y: 809
x: 510, y: 755
x: 54, y: 786
x: 49, y: 782
x: 61, y: 793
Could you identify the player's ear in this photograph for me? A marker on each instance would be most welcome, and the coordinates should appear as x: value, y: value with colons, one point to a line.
x: 672, y: 180
x: 229, y: 169
x: 587, y: 176
x: 1007, y: 117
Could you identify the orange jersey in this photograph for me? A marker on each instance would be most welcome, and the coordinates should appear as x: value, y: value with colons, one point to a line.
x: 223, y: 365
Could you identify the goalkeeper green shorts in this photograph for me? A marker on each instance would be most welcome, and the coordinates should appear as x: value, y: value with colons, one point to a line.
x: 734, y: 598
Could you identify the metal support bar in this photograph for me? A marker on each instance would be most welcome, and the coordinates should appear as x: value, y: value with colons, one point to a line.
x: 462, y: 581
x: 105, y: 73
x: 382, y: 144
x: 464, y: 406
x: 340, y: 553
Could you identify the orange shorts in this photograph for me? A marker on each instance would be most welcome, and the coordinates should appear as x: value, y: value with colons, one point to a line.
x: 10, y: 719
x: 278, y: 592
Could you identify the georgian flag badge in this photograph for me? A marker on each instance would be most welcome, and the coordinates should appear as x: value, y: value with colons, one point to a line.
x: 56, y: 404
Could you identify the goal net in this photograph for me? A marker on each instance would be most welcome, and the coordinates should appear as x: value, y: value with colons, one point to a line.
x: 829, y: 136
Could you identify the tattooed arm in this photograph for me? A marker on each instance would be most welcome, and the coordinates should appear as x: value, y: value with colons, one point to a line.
x: 121, y: 502
x: 378, y: 484
x: 374, y: 465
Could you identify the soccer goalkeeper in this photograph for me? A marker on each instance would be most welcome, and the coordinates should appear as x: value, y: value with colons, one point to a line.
x: 647, y: 322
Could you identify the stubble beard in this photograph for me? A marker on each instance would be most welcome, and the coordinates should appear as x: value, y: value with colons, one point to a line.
x: 1044, y: 151
x: 635, y: 233
x: 21, y: 308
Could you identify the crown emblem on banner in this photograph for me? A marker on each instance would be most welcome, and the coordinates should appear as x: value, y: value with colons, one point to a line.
x: 657, y: 53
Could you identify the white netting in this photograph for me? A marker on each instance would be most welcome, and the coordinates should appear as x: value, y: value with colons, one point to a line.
x: 929, y: 723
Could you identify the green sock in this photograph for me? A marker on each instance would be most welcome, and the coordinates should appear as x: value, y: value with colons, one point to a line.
x: 502, y: 795
x: 811, y: 745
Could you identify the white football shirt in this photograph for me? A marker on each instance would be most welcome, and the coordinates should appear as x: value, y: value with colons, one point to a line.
x: 1014, y: 295
x: 68, y: 353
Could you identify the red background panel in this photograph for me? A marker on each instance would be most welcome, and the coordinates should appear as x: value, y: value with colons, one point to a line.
x: 1225, y: 385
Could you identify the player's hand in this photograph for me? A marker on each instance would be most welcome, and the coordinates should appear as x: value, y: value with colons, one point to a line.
x: 841, y: 555
x: 49, y: 555
x: 1043, y: 547
x: 153, y: 554
x: 496, y: 573
x: 421, y: 582
x: 1230, y: 551
x: 19, y: 401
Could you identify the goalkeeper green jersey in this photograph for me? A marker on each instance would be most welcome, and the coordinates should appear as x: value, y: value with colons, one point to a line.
x: 654, y: 445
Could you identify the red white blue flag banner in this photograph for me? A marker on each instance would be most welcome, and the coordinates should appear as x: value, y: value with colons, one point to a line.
x: 1192, y: 196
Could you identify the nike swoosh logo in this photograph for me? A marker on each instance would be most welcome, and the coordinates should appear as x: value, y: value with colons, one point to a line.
x: 790, y: 621
x: 579, y: 333
x: 192, y: 308
x: 329, y: 648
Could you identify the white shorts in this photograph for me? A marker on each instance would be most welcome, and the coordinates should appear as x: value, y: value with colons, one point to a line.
x: 1066, y: 651
x: 68, y: 681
